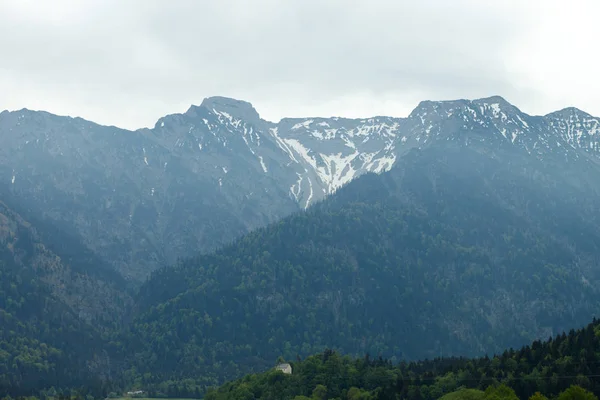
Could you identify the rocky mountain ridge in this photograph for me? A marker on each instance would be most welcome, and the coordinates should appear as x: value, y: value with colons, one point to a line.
x: 197, y: 180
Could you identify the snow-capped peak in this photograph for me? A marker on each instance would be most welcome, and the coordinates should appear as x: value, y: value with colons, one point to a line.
x: 315, y: 156
x: 578, y: 128
x: 235, y: 108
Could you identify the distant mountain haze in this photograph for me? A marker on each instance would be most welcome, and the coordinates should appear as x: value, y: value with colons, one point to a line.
x: 197, y: 180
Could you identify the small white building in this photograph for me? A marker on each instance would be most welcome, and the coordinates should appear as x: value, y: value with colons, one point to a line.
x: 285, y: 368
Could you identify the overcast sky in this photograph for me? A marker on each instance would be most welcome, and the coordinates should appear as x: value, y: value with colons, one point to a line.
x: 129, y: 62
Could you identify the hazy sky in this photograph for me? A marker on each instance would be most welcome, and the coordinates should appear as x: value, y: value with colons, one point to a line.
x: 129, y: 62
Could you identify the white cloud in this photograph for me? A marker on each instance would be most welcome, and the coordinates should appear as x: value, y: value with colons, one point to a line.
x: 129, y: 62
x: 556, y: 64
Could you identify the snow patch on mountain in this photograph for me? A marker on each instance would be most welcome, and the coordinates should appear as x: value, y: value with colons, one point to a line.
x: 296, y: 187
x: 301, y: 151
x: 578, y: 129
x: 310, y: 194
x: 305, y: 124
x: 337, y: 170
x: 227, y: 119
x: 262, y: 163
x: 310, y: 158
x: 282, y: 145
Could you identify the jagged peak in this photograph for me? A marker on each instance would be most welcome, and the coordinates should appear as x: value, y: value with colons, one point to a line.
x: 24, y: 111
x: 32, y: 114
x: 222, y: 101
x: 237, y: 108
x: 569, y: 112
x: 496, y: 104
x: 497, y: 99
x: 429, y: 104
x: 319, y: 121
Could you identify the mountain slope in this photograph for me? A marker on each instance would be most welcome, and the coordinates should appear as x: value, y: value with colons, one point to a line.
x: 471, y: 227
x: 54, y: 310
x: 458, y: 250
x: 193, y: 182
x: 198, y: 180
x: 136, y: 199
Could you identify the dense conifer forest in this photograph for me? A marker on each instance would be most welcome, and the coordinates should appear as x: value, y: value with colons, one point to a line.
x: 563, y: 367
x: 451, y: 253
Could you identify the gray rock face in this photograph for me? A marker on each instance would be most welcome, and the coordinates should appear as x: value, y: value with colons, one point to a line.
x: 569, y: 132
x: 197, y: 180
x: 328, y: 153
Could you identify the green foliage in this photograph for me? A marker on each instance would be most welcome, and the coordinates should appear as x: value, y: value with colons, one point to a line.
x: 435, y: 258
x: 576, y: 393
x: 500, y: 392
x: 444, y: 255
x: 319, y: 392
x: 538, y: 396
x: 44, y: 340
x: 355, y: 393
x: 514, y: 374
x: 464, y: 394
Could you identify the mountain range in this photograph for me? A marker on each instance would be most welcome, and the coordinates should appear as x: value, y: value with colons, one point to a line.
x: 197, y: 180
x: 204, y: 248
x: 457, y: 250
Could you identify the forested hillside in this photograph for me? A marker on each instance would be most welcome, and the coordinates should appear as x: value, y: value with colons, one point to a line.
x: 484, y: 235
x: 196, y: 180
x: 56, y: 312
x: 456, y: 251
x: 563, y: 367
